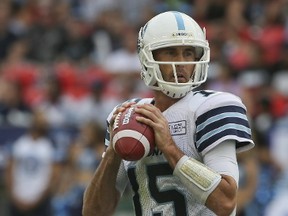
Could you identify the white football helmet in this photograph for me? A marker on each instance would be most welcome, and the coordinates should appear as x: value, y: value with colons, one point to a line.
x: 169, y: 29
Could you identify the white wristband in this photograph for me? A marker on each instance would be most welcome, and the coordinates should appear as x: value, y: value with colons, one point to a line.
x: 197, y: 177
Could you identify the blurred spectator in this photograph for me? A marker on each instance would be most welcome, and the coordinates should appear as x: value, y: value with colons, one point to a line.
x: 31, y: 171
x: 17, y: 68
x: 16, y: 54
x: 234, y: 15
x: 135, y: 12
x: 83, y: 93
x: 95, y: 106
x: 13, y: 109
x: 254, y: 12
x: 107, y: 35
x: 163, y: 5
x: 125, y: 59
x: 273, y: 33
x: 279, y: 205
x: 53, y: 104
x: 7, y: 36
x: 279, y: 149
x: 91, y: 10
x: 248, y: 180
x: 224, y: 80
x: 241, y: 54
x: 86, y: 151
x: 278, y: 143
x: 78, y: 44
x: 283, y: 60
x: 84, y: 156
x: 269, y: 172
x: 279, y: 100
x: 255, y: 91
x: 70, y: 75
x: 216, y: 10
x: 123, y: 64
x: 46, y: 36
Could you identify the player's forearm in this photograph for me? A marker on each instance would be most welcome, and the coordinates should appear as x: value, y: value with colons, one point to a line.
x: 171, y: 152
x: 223, y: 200
x: 173, y: 155
x: 217, y: 192
x: 101, y: 196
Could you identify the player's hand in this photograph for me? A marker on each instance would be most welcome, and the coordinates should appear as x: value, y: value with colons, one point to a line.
x: 163, y: 138
x: 118, y: 110
x: 158, y: 122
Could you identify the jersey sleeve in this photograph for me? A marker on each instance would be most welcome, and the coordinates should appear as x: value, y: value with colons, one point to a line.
x: 107, y: 134
x: 222, y: 116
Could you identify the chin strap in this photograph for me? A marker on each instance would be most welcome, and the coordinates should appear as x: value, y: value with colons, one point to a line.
x: 197, y: 177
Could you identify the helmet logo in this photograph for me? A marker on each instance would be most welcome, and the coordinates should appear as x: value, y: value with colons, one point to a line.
x: 182, y: 34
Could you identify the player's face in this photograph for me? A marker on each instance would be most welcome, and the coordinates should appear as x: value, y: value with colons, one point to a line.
x: 176, y: 54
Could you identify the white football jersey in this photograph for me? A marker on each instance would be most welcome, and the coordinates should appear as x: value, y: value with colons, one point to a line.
x: 32, y: 169
x: 198, y: 122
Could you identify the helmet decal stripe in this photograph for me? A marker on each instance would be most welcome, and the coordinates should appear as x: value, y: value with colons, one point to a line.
x: 179, y: 20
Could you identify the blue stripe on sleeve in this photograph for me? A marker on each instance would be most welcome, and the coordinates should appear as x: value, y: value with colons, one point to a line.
x: 214, y: 119
x: 221, y: 122
x: 214, y: 112
x: 230, y: 132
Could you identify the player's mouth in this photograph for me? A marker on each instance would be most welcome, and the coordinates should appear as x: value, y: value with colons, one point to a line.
x: 181, y: 78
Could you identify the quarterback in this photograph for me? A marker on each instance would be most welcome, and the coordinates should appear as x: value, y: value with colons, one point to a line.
x: 193, y: 170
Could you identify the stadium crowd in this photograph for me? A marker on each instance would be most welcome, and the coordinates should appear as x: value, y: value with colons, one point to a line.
x: 64, y: 64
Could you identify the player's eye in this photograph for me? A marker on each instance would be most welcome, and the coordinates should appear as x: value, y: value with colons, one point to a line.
x: 189, y: 53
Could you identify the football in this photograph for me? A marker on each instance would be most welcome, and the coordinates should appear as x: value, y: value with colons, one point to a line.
x: 131, y: 139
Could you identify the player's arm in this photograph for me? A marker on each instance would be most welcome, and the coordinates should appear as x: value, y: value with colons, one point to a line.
x: 222, y: 159
x: 101, y: 195
x: 217, y: 192
x: 251, y: 170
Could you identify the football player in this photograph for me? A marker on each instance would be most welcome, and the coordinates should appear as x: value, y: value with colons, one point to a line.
x: 193, y: 170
